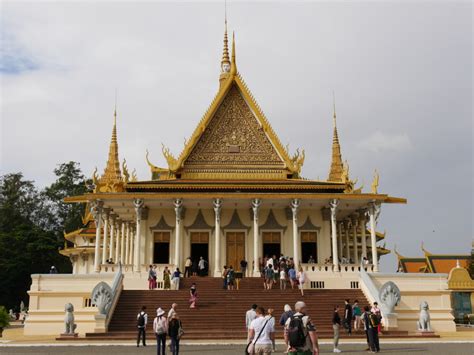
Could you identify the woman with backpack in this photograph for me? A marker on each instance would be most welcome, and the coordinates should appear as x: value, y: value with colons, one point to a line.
x: 175, y: 331
x: 230, y: 278
x: 371, y: 323
x: 160, y: 328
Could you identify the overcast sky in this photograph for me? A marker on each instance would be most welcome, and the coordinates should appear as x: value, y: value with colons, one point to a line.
x: 402, y: 73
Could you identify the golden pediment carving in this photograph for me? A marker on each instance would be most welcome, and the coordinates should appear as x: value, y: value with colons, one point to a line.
x: 234, y: 137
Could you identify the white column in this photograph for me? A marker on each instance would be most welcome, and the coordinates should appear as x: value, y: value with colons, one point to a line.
x: 112, y: 236
x: 138, y: 203
x: 132, y: 243
x: 346, y: 230
x: 363, y: 234
x: 339, y: 239
x: 256, y: 243
x: 356, y: 246
x: 335, y: 257
x: 178, y: 209
x: 127, y: 243
x: 373, y: 210
x: 295, y: 204
x: 118, y: 223
x: 96, y: 210
x: 106, y: 212
x: 217, y: 260
x: 122, y: 244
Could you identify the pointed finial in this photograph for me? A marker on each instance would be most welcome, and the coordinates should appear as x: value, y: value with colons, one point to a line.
x: 115, y: 108
x: 336, y: 171
x: 334, y: 107
x: 233, y: 69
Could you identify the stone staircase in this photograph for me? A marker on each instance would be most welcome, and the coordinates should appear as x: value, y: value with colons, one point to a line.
x: 220, y: 314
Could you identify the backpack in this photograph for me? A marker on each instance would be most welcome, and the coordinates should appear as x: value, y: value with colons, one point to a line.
x: 160, y: 328
x: 374, y: 320
x: 230, y: 275
x: 141, y: 320
x: 296, y: 333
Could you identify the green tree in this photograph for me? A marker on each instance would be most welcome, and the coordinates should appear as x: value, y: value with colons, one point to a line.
x: 31, y: 228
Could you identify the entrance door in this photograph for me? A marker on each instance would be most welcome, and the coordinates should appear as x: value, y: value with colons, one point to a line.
x: 235, y: 249
x: 271, y: 244
x: 161, y: 248
x: 200, y: 248
x: 309, y: 246
x: 461, y: 306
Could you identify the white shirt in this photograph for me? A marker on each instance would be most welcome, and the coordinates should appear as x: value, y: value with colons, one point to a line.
x: 302, y: 277
x: 249, y: 317
x: 171, y: 313
x: 257, y: 325
x: 202, y: 264
x: 282, y: 275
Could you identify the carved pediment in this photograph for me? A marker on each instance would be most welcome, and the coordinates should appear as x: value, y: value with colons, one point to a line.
x: 234, y: 137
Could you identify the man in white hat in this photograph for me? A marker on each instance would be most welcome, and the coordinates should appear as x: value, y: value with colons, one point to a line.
x: 160, y: 327
x: 300, y: 333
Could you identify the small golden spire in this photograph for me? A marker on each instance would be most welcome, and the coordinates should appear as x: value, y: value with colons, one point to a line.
x: 233, y: 67
x: 112, y: 171
x: 225, y: 61
x: 336, y: 171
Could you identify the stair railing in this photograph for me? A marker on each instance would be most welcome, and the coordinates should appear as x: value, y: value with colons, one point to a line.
x: 117, y: 287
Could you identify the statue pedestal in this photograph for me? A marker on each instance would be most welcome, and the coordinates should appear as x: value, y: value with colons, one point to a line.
x: 390, y: 321
x: 100, y: 323
x: 425, y: 333
x: 67, y: 336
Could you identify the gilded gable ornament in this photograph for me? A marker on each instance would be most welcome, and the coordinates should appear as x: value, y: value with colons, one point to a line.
x: 234, y: 137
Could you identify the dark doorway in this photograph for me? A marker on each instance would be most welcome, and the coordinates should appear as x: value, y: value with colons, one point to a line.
x: 270, y: 249
x: 200, y: 247
x: 161, y: 253
x: 309, y: 246
x: 161, y: 247
x: 309, y: 249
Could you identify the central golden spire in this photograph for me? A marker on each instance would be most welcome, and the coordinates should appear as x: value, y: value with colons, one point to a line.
x: 112, y: 170
x: 225, y: 61
x: 337, y: 168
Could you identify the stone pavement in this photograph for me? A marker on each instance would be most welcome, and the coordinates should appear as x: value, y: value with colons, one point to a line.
x: 405, y: 349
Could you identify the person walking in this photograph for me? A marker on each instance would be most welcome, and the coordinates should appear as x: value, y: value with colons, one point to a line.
x: 193, y: 296
x: 287, y: 313
x: 301, y: 280
x: 356, y: 312
x: 300, y: 333
x: 151, y: 273
x: 224, y: 277
x: 187, y: 267
x: 243, y: 267
x: 282, y: 279
x: 166, y: 278
x: 348, y: 316
x: 160, y: 328
x: 261, y: 333
x: 176, y: 279
x: 202, y: 266
x: 292, y: 276
x: 172, y: 311
x: 250, y: 315
x: 175, y: 331
x: 336, y: 324
x: 376, y: 310
x: 271, y: 323
x: 371, y: 323
x: 194, y: 267
x: 230, y: 278
x: 142, y: 320
x: 269, y: 276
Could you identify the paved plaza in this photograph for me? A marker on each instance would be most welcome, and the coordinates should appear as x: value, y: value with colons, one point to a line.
x: 455, y: 348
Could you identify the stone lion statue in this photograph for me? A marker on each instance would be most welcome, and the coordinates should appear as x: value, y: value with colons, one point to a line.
x: 424, y: 321
x: 70, y: 326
